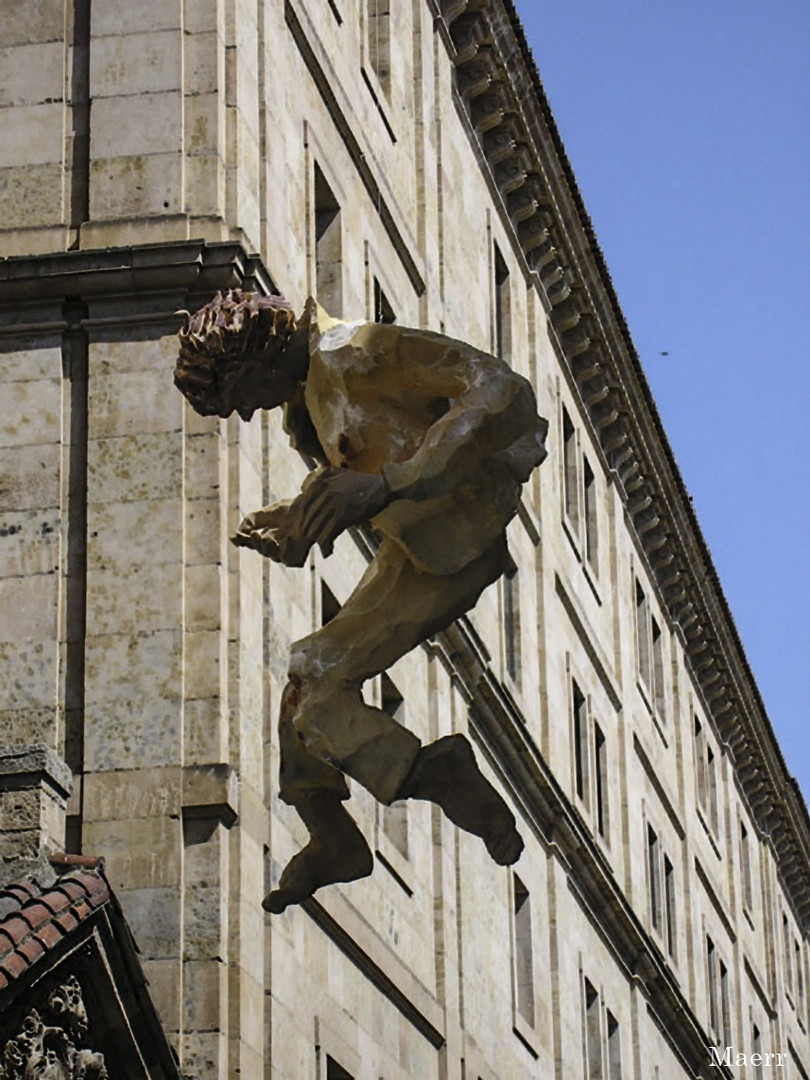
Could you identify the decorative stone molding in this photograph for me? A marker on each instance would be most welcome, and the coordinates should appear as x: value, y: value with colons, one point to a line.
x: 48, y: 1045
x: 510, y: 123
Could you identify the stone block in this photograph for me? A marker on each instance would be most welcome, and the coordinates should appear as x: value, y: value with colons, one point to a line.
x: 204, y: 63
x: 32, y: 134
x: 204, y: 120
x: 134, y: 402
x: 28, y: 361
x: 29, y: 674
x: 133, y: 467
x: 132, y: 793
x: 146, y: 16
x: 203, y: 605
x: 154, y: 916
x: 203, y: 1054
x: 147, y: 598
x: 20, y: 810
x: 136, y: 185
x: 163, y: 978
x: 201, y: 669
x: 36, y: 20
x: 30, y: 477
x: 32, y: 74
x: 29, y: 542
x: 204, y: 914
x: 32, y: 413
x: 126, y: 534
x: 139, y: 351
x: 30, y: 196
x: 204, y: 730
x: 144, y: 853
x: 144, y: 733
x: 142, y: 63
x: 126, y: 668
x: 204, y: 995
x: 137, y: 124
x: 202, y: 461
x: 29, y: 608
x: 202, y: 534
x: 205, y: 185
x: 28, y: 725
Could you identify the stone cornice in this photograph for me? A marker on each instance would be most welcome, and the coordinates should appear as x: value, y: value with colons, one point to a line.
x: 499, y: 92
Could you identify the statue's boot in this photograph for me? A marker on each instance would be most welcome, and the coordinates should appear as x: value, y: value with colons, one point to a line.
x: 446, y: 773
x: 337, y: 851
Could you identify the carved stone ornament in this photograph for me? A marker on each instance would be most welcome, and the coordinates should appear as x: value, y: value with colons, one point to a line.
x: 46, y: 1047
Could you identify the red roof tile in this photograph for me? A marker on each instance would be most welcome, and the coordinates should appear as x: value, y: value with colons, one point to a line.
x: 42, y: 918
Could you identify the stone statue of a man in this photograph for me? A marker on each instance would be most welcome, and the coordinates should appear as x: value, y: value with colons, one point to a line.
x: 430, y: 440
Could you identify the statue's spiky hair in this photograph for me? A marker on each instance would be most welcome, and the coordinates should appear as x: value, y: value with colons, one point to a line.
x: 216, y: 340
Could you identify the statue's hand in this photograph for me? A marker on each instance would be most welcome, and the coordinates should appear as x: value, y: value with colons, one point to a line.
x: 335, y: 499
x: 276, y: 532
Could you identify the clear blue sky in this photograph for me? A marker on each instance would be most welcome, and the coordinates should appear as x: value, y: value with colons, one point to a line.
x: 688, y: 127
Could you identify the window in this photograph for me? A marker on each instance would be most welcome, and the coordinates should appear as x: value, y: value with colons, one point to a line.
x: 503, y: 307
x: 725, y: 1004
x: 383, y: 312
x: 523, y: 955
x: 745, y: 868
x: 601, y: 1041
x: 510, y: 596
x: 580, y: 742
x: 329, y: 605
x: 580, y: 496
x: 662, y: 893
x: 653, y: 871
x: 650, y: 654
x: 570, y: 482
x: 328, y: 248
x: 334, y: 1071
x: 670, y: 909
x: 614, y: 1048
x: 601, y: 772
x: 799, y: 977
x: 706, y: 770
x: 395, y: 816
x: 591, y: 765
x: 787, y: 955
x: 711, y: 978
x: 379, y: 42
x: 595, y: 1069
x: 756, y: 1052
x: 591, y: 532
x: 719, y: 992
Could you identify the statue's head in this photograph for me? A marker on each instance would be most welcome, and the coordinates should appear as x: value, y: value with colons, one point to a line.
x: 232, y: 354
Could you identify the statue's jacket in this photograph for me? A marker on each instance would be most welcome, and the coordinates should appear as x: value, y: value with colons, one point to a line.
x: 453, y: 430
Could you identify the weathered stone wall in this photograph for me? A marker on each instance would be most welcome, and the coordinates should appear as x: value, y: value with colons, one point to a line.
x: 149, y: 653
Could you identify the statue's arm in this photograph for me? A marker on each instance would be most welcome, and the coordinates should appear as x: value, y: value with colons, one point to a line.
x: 495, y: 411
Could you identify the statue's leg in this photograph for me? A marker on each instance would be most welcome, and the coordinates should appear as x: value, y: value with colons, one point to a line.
x: 329, y: 729
x: 337, y: 850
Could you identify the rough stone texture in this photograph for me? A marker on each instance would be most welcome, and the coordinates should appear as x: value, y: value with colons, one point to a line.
x: 413, y: 970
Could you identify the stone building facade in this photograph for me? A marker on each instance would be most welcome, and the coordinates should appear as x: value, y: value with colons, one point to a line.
x: 398, y: 161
